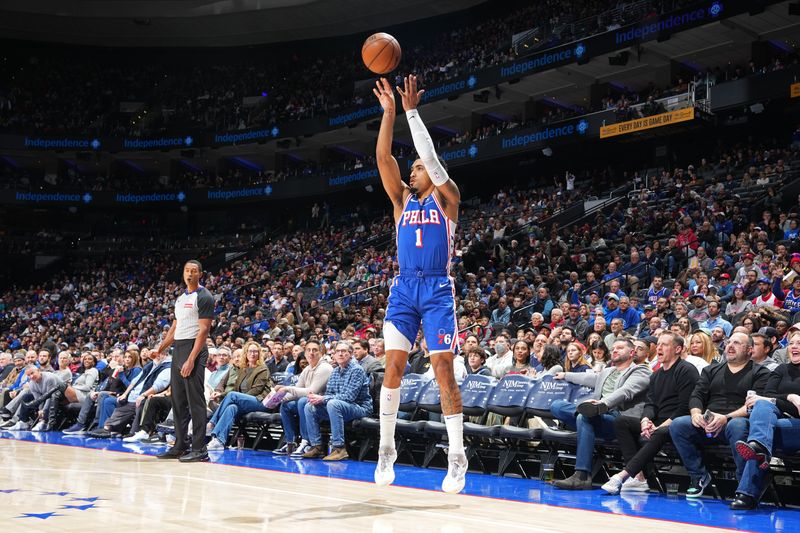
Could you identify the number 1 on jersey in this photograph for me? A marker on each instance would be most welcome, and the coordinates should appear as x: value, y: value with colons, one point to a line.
x: 419, y: 237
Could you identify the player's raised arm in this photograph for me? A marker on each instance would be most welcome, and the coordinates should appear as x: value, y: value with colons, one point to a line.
x: 424, y: 145
x: 387, y: 164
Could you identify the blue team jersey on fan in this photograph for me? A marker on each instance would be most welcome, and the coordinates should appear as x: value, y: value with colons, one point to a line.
x: 425, y: 236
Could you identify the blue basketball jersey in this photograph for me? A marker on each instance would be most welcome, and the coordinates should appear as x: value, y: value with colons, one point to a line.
x: 791, y: 302
x: 425, y: 236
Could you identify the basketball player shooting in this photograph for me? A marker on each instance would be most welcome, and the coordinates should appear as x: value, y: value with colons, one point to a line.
x: 425, y: 214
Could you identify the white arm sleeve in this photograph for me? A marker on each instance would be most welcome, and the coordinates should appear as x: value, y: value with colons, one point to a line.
x: 423, y: 144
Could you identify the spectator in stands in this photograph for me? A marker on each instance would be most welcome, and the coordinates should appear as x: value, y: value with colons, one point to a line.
x: 252, y: 386
x: 751, y: 322
x: 476, y: 359
x: 739, y: 302
x: 714, y: 319
x: 630, y: 316
x: 667, y: 399
x: 63, y: 371
x: 617, y: 332
x: 223, y: 364
x: 700, y: 345
x: 13, y: 377
x: 6, y: 365
x: 346, y: 398
x: 85, y: 382
x: 641, y: 352
x: 721, y: 391
x: 43, y: 361
x: 42, y: 386
x: 153, y: 379
x: 600, y: 355
x: 502, y: 359
x: 576, y: 323
x: 618, y: 389
x: 227, y: 382
x: 542, y: 305
x: 367, y: 361
x: 278, y: 362
x: 313, y: 380
x: 521, y: 359
x: 762, y: 349
x: 575, y: 359
x: 501, y: 316
x: 116, y: 385
x: 774, y: 423
x: 700, y: 311
x: 551, y: 361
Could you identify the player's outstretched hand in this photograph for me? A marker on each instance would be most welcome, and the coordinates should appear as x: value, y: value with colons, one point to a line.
x: 409, y: 93
x: 385, y: 95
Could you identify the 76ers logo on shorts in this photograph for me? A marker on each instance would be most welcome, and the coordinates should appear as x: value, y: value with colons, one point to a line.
x: 445, y: 338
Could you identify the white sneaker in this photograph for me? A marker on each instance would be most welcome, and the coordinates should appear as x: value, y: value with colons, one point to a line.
x: 20, y: 426
x: 634, y: 485
x: 41, y: 426
x: 137, y: 437
x: 215, y: 444
x: 7, y: 424
x: 384, y: 470
x: 302, y: 448
x: 613, y: 485
x: 457, y: 466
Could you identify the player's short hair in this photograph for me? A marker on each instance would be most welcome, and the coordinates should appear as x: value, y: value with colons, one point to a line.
x: 195, y: 262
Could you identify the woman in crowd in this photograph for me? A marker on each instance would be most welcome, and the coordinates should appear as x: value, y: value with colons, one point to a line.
x: 738, y: 304
x: 300, y: 364
x: 551, y: 361
x: 252, y: 385
x: 521, y: 360
x: 751, y: 323
x: 63, y: 371
x: 575, y: 361
x: 774, y: 423
x: 599, y: 352
x: 701, y: 345
x: 84, y: 383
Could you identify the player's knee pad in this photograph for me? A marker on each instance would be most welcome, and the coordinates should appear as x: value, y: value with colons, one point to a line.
x: 394, y: 340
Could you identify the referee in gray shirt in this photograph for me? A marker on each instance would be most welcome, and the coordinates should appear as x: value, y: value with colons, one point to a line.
x: 194, y: 310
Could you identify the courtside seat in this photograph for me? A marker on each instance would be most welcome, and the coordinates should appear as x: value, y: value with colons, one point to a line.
x: 475, y: 393
x: 258, y: 421
x: 369, y: 427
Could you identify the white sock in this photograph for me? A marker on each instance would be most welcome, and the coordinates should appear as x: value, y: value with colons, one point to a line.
x: 455, y: 433
x: 390, y: 402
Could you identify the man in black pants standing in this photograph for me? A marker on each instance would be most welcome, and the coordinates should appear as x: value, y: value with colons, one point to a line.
x: 194, y: 310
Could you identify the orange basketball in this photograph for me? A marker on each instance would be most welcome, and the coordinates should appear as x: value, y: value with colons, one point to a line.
x: 381, y: 53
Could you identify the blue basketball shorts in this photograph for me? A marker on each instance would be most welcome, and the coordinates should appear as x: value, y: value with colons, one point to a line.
x: 429, y: 301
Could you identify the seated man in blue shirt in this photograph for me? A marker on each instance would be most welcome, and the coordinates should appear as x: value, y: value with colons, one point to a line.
x: 346, y: 398
x: 630, y: 316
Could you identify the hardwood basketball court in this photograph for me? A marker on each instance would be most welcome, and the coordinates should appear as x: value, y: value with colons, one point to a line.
x: 63, y: 485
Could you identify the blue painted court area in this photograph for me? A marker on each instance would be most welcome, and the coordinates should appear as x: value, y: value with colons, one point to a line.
x: 706, y: 512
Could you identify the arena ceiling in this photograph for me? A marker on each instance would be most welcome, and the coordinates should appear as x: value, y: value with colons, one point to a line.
x: 195, y: 23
